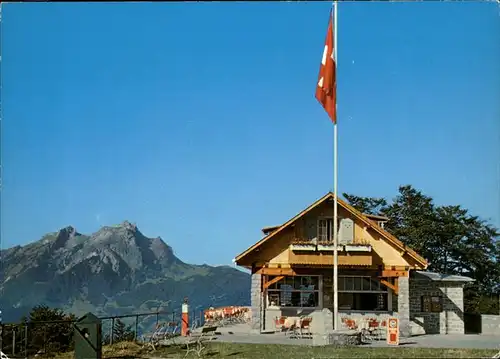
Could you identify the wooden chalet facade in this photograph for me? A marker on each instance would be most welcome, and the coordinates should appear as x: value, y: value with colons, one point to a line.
x: 292, y: 268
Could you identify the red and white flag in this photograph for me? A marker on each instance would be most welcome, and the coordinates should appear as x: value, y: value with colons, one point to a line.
x: 326, y: 89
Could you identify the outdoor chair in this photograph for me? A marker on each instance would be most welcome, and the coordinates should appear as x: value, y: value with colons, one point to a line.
x: 369, y: 329
x: 351, y: 324
x: 293, y: 331
x: 196, y: 341
x: 374, y: 329
x: 383, y: 329
x: 279, y: 324
x: 292, y: 327
x: 305, y: 327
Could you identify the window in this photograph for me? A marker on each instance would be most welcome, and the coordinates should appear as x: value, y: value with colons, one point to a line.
x: 298, y: 291
x: 432, y: 304
x: 362, y: 293
x: 325, y: 230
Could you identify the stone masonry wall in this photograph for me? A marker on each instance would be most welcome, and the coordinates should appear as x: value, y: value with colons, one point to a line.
x: 450, y: 320
x: 256, y: 301
x: 490, y: 324
x: 403, y: 306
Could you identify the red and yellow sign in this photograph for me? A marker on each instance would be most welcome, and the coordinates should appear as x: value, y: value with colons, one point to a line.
x: 393, y: 331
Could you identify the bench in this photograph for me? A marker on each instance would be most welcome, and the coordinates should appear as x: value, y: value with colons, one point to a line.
x: 196, y: 341
x: 152, y: 340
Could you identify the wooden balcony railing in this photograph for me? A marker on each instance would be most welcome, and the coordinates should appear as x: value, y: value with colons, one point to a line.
x: 305, y: 242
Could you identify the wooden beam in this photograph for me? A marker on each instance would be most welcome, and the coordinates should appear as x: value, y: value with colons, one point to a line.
x: 398, y: 268
x: 272, y: 281
x: 392, y: 273
x: 276, y: 271
x: 394, y: 286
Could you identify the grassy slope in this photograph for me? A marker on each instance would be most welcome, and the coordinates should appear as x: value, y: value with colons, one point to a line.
x: 262, y: 351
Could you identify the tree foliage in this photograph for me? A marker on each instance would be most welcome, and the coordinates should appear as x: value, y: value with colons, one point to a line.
x: 44, y: 330
x: 369, y: 205
x: 451, y: 239
x: 121, y: 333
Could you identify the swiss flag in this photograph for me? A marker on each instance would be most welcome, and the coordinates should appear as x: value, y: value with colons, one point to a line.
x: 326, y: 89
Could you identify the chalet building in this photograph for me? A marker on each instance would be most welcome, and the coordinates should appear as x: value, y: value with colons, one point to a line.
x: 378, y: 276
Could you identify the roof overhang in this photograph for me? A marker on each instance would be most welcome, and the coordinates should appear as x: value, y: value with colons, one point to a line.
x: 376, y: 217
x: 438, y: 277
x: 269, y: 229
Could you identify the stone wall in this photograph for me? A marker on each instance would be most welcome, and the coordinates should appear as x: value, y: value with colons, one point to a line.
x: 450, y: 320
x: 256, y: 302
x: 403, y: 306
x: 490, y: 324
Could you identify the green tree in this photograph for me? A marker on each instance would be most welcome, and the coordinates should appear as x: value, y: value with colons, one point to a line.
x: 122, y: 332
x: 452, y: 240
x: 49, y: 330
x: 369, y: 205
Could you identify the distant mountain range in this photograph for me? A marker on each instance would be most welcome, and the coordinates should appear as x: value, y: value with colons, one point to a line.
x: 116, y: 270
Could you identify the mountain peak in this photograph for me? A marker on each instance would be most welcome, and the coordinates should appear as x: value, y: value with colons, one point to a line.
x: 114, y: 269
x: 128, y: 226
x: 65, y: 235
x: 68, y: 230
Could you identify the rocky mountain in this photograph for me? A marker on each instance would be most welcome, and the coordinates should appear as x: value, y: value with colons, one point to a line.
x: 116, y: 270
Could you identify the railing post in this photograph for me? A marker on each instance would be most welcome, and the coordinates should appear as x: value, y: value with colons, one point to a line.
x: 111, y: 331
x: 157, y: 319
x: 136, y: 327
x: 14, y: 330
x: 26, y: 339
x: 44, y: 339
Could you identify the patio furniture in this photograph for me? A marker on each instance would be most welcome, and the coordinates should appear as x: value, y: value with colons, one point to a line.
x: 305, y: 327
x: 369, y: 328
x: 152, y: 340
x: 351, y: 324
x: 374, y: 329
x: 279, y: 324
x: 291, y: 327
x: 293, y: 331
x: 196, y: 341
x: 172, y: 330
x: 363, y: 329
x: 383, y: 329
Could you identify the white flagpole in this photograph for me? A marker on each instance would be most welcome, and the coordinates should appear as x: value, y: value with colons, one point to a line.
x: 335, y: 176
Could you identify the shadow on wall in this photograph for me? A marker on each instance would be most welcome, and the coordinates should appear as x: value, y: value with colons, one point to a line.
x: 448, y: 321
x: 472, y: 323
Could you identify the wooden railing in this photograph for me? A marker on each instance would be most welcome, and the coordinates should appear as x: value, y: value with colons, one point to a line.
x: 305, y: 241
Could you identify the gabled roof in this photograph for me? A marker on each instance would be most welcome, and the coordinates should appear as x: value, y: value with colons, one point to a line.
x: 355, y: 213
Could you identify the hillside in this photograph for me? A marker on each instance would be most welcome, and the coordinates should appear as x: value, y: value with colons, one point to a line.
x: 113, y: 271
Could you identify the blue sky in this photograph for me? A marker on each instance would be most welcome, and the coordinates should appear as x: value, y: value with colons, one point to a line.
x: 198, y: 121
